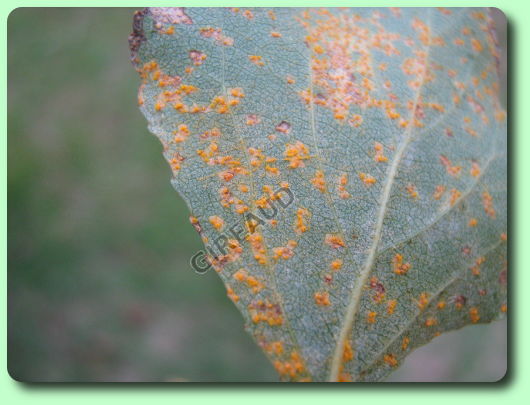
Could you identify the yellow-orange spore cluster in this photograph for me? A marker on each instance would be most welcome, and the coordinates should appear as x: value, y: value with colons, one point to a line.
x: 227, y: 200
x: 217, y: 222
x: 475, y: 269
x: 438, y: 192
x: 422, y: 301
x: 293, y: 367
x: 197, y: 57
x: 454, y: 196
x: 175, y: 161
x: 474, y: 315
x: 431, y: 322
x: 175, y: 91
x: 267, y: 312
x: 344, y: 377
x: 400, y: 268
x: 212, y: 157
x: 217, y: 35
x: 252, y: 282
x: 418, y: 67
x: 342, y: 49
x: 256, y: 59
x: 285, y: 252
x: 487, y: 202
x: 347, y: 352
x: 181, y: 134
x: 391, y: 306
x: 390, y: 359
x: 371, y: 317
x: 211, y: 133
x: 452, y: 170
x: 367, y: 179
x: 322, y: 298
x: 475, y: 169
x: 275, y: 347
x: 336, y: 264
x: 379, y: 153
x: 231, y: 294
x: 301, y: 224
x: 258, y: 247
x: 341, y: 188
x: 424, y: 34
x: 335, y: 241
x: 411, y: 190
x: 318, y: 181
x: 295, y: 154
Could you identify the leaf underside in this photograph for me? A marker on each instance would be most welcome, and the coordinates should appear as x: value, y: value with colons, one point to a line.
x: 384, y: 124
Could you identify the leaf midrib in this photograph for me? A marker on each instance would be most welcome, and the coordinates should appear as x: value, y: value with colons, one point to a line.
x: 355, y: 297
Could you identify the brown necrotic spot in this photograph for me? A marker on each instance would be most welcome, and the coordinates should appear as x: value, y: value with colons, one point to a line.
x: 284, y: 127
x: 137, y: 36
x: 169, y: 15
x: 252, y: 119
x: 503, y: 275
x: 197, y: 57
x: 460, y: 301
x: 378, y: 288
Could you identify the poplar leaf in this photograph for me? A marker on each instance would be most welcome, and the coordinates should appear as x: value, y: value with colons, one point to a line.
x: 346, y: 169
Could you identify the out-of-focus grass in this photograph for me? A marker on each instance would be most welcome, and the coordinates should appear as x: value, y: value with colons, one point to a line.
x: 99, y: 283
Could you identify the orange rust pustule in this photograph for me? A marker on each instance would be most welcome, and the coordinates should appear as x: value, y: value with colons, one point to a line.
x: 267, y: 312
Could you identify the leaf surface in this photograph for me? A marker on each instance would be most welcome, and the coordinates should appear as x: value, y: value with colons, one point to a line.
x: 384, y: 128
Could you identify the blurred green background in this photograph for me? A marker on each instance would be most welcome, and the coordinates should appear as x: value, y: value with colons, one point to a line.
x: 99, y: 285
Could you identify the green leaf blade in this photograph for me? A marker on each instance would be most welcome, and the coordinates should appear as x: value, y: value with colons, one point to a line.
x: 385, y: 126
